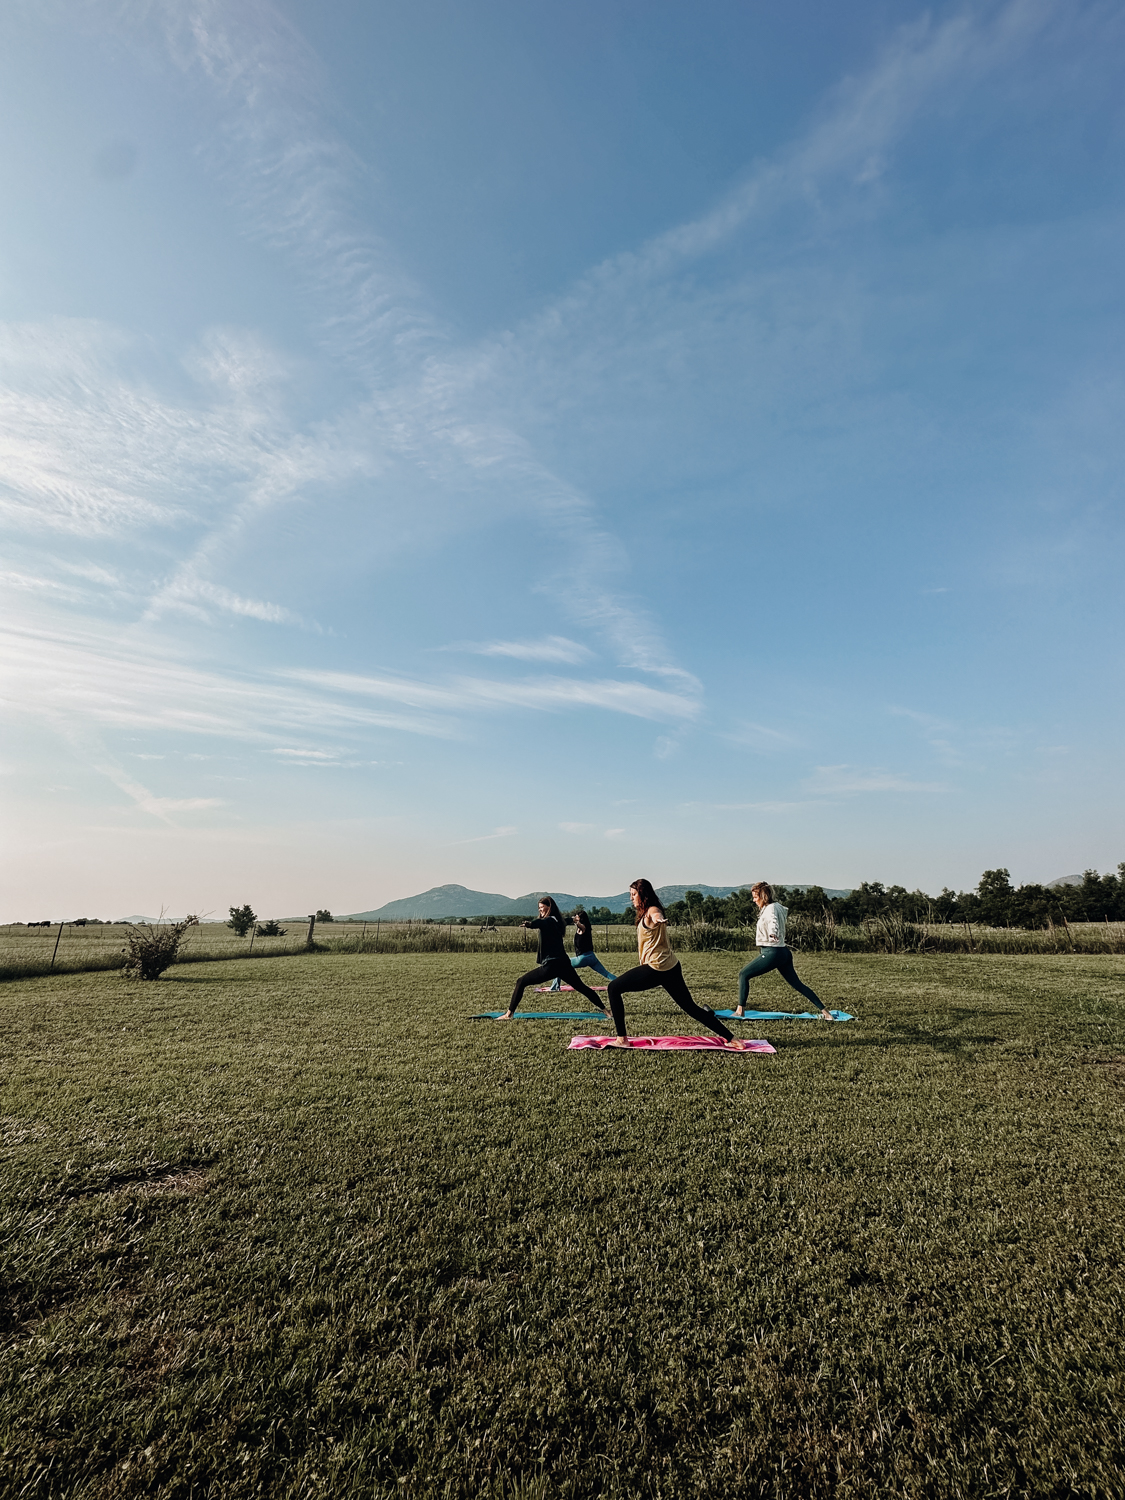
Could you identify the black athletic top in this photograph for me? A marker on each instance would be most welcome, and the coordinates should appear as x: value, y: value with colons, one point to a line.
x: 583, y: 936
x: 552, y: 938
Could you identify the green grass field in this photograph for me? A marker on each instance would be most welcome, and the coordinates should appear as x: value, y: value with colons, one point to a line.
x: 295, y: 1227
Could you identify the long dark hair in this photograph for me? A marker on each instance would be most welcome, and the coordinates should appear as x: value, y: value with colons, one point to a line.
x: 649, y: 898
x: 554, y: 905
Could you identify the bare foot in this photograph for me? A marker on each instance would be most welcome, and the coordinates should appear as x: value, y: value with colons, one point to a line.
x: 738, y: 1010
x: 734, y: 1045
x: 618, y: 1041
x: 507, y: 1016
x: 826, y: 1015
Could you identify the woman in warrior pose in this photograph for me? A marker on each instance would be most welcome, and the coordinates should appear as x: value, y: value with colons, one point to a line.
x: 552, y: 960
x: 659, y: 968
x: 774, y: 954
x: 584, y: 955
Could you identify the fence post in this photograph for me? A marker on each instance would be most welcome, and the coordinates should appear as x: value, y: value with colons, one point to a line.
x: 312, y: 924
x: 58, y: 940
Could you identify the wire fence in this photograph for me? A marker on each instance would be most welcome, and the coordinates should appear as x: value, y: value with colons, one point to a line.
x: 28, y: 952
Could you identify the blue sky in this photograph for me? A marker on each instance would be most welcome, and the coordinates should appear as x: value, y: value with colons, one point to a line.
x: 533, y: 445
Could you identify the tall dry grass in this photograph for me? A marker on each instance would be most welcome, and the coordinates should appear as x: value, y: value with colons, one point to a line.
x: 26, y: 954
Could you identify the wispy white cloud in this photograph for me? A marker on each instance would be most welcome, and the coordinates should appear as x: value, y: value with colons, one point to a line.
x: 485, y: 838
x: 961, y: 744
x: 92, y: 572
x: 546, y: 694
x: 96, y: 451
x: 426, y: 402
x: 940, y: 734
x: 89, y: 678
x: 555, y: 694
x: 31, y: 583
x: 762, y: 807
x: 162, y: 808
x: 89, y: 450
x: 291, y: 755
x: 843, y: 781
x: 294, y: 178
x: 846, y: 148
x: 577, y: 827
x: 550, y: 648
x: 392, y: 688
x: 80, y: 680
x: 760, y: 737
x: 186, y: 591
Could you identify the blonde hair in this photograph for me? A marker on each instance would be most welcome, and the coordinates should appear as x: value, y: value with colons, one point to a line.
x: 762, y: 888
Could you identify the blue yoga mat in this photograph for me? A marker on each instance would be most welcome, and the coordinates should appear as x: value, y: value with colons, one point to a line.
x: 782, y: 1015
x: 543, y: 1015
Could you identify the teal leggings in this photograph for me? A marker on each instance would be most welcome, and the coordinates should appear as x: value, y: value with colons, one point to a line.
x: 780, y: 959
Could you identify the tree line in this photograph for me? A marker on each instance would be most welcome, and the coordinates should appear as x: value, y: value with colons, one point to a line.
x: 994, y: 903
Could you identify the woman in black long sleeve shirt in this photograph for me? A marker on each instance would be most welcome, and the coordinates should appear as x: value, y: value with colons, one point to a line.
x: 553, y: 962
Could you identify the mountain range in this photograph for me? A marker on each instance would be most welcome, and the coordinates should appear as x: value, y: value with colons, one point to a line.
x: 443, y: 902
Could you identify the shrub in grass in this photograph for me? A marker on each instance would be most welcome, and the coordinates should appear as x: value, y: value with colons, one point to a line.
x: 151, y: 950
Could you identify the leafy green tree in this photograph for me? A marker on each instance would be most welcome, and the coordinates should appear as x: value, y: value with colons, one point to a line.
x: 270, y: 929
x: 995, y: 893
x: 242, y: 919
x: 1097, y: 899
x: 324, y: 915
x: 743, y: 912
x: 945, y: 905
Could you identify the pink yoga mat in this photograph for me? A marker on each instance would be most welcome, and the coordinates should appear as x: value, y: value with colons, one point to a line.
x: 669, y: 1043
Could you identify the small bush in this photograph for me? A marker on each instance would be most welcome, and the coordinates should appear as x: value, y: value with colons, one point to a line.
x: 270, y: 929
x: 151, y: 950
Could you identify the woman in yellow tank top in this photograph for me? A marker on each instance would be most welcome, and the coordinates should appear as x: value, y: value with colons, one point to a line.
x: 659, y: 968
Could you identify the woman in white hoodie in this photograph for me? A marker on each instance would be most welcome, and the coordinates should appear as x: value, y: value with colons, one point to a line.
x: 774, y: 954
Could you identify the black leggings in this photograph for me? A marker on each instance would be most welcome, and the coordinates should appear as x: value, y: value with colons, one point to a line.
x: 554, y: 968
x: 780, y: 959
x: 645, y: 978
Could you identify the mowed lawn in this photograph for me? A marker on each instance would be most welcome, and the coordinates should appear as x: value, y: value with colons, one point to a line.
x: 299, y: 1227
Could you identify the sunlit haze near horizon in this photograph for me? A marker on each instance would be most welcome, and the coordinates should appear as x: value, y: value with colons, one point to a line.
x: 536, y: 445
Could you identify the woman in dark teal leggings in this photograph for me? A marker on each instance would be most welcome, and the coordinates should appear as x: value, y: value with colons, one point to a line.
x: 774, y: 954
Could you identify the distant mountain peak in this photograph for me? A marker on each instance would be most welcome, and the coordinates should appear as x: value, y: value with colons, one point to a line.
x: 451, y: 902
